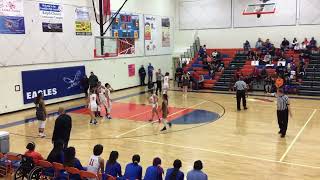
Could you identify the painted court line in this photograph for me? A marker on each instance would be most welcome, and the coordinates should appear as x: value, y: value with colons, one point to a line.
x: 132, y: 130
x: 297, y: 136
x: 223, y: 153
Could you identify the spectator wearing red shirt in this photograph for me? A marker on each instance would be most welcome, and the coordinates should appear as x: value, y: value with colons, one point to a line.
x: 36, y: 157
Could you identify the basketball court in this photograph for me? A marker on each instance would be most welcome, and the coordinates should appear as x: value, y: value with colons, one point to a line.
x: 232, y: 145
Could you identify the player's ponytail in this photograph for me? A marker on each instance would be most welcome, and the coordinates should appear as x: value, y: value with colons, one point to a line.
x: 176, y: 165
x: 136, y: 159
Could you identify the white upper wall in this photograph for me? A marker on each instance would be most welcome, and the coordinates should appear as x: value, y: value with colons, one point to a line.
x: 114, y: 71
x: 234, y: 37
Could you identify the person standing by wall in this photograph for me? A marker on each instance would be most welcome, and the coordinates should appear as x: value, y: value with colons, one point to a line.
x: 93, y: 80
x: 150, y: 72
x: 241, y: 88
x: 159, y: 77
x: 85, y: 84
x: 62, y: 128
x: 142, y: 75
x: 41, y: 114
x: 283, y: 110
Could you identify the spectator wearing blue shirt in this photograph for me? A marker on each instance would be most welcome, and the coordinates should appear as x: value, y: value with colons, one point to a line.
x: 155, y: 171
x: 312, y: 43
x: 246, y: 46
x: 196, y: 173
x: 150, y: 73
x: 113, y: 168
x: 70, y: 160
x: 133, y: 170
x: 175, y: 173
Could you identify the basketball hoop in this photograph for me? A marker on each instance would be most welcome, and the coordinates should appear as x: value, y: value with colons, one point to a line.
x: 259, y: 9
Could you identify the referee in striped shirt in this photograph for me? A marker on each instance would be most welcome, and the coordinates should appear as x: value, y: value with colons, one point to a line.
x: 283, y: 111
x: 241, y: 88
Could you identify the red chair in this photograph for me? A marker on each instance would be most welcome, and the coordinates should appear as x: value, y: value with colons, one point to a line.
x: 109, y: 177
x: 87, y: 175
x: 57, y: 169
x: 72, y: 171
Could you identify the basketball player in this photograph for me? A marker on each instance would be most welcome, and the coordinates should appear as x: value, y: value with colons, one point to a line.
x: 41, y: 114
x: 102, y: 97
x: 154, y: 102
x: 92, y: 106
x: 165, y: 112
x: 166, y: 83
x: 109, y: 100
x: 97, y: 90
x: 96, y: 163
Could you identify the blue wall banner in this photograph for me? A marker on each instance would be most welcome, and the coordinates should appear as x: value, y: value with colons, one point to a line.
x: 12, y: 25
x: 52, y: 83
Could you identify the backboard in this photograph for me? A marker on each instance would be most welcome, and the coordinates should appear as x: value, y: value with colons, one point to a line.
x: 258, y: 9
x: 105, y: 47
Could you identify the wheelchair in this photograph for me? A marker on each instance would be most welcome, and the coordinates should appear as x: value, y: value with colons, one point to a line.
x: 29, y: 171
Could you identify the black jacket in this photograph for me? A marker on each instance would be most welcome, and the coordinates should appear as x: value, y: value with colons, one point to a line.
x: 142, y: 72
x: 62, y: 128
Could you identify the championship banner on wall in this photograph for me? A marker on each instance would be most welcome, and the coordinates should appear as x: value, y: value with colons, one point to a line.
x: 82, y: 23
x: 165, y: 23
x: 131, y: 70
x: 54, y: 83
x: 150, y: 33
x: 11, y: 17
x: 52, y: 15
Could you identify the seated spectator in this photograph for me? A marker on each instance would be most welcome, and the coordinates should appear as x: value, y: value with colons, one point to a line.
x: 70, y: 159
x: 175, y: 173
x: 289, y: 59
x: 96, y: 163
x: 280, y: 70
x: 201, y: 51
x: 259, y: 44
x: 56, y: 154
x: 237, y: 73
x: 205, y: 48
x: 267, y: 59
x: 303, y: 46
x: 268, y: 44
x: 284, y: 44
x: 294, y: 43
x: 272, y: 50
x: 263, y: 73
x: 221, y: 67
x: 113, y: 168
x: 197, y: 79
x: 312, y: 43
x: 196, y: 173
x: 268, y: 84
x: 246, y: 46
x: 155, y: 171
x: 133, y: 170
x: 36, y: 157
x: 306, y: 42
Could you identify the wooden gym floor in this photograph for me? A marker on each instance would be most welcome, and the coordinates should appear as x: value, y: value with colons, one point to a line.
x: 232, y: 145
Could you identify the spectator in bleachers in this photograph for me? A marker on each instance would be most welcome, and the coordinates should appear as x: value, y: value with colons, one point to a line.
x: 133, y: 170
x: 246, y: 46
x: 312, y: 43
x: 267, y: 59
x: 155, y: 171
x: 284, y: 44
x: 259, y: 44
x: 306, y: 42
x: 70, y: 159
x: 302, y: 46
x: 268, y: 84
x: 196, y: 173
x: 196, y: 79
x: 294, y: 43
x: 36, y: 157
x: 205, y: 48
x: 96, y: 163
x: 280, y: 70
x: 263, y: 73
x: 272, y: 50
x: 238, y: 73
x: 113, y: 168
x: 268, y: 44
x: 175, y: 173
x: 201, y: 52
x: 56, y: 154
x: 214, y: 54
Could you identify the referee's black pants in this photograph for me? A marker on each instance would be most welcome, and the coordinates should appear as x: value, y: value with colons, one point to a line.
x: 159, y: 87
x: 283, y: 120
x: 241, y: 94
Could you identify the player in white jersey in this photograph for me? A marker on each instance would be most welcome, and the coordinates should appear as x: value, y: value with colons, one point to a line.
x: 96, y: 163
x: 166, y: 83
x: 102, y: 97
x: 92, y: 106
x: 153, y: 100
x: 108, y: 99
